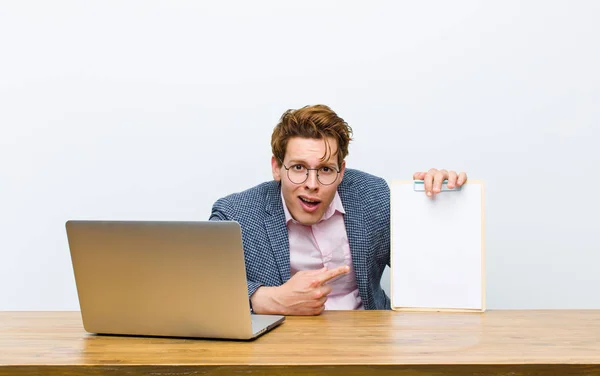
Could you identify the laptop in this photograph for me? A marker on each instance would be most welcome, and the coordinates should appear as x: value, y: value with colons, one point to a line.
x: 171, y: 279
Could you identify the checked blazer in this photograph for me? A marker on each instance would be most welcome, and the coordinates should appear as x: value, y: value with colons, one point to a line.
x: 259, y: 211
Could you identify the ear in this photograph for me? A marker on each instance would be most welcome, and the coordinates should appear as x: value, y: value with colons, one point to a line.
x: 276, y: 169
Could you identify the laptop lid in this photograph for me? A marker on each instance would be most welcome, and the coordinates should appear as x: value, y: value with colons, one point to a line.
x: 184, y: 279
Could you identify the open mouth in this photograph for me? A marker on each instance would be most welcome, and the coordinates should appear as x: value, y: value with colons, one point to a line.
x: 309, y: 204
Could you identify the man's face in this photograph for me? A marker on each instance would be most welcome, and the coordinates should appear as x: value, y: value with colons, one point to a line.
x: 308, y: 201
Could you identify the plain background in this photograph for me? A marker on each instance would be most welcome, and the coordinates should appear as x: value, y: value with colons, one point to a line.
x: 154, y: 109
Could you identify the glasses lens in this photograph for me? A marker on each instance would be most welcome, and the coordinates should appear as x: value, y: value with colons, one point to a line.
x: 327, y: 175
x: 297, y: 175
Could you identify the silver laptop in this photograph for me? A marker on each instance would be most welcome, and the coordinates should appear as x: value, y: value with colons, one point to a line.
x: 175, y: 279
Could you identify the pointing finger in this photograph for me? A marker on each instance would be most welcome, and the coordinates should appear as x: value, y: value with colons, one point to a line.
x: 330, y: 274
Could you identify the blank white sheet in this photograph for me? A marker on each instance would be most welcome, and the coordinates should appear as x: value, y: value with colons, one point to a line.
x: 437, y: 259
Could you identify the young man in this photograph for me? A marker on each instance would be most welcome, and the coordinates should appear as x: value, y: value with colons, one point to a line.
x: 317, y: 236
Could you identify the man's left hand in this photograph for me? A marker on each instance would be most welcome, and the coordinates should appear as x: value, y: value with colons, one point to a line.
x: 434, y: 178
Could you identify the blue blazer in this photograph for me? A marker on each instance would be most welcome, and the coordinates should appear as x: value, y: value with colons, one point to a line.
x: 259, y: 211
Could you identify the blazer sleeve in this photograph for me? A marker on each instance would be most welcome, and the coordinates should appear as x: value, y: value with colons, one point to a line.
x: 222, y: 211
x: 386, y: 226
x: 382, y: 192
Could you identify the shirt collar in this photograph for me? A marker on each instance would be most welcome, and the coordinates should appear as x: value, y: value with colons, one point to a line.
x: 335, y: 206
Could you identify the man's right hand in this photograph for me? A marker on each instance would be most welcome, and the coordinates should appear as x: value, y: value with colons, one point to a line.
x: 304, y: 294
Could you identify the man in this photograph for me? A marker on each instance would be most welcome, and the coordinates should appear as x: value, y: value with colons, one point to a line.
x: 318, y: 235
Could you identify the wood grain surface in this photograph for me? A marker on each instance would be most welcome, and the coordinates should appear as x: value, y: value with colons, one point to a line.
x: 563, y: 342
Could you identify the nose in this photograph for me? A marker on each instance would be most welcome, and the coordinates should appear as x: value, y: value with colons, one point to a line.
x: 312, y: 182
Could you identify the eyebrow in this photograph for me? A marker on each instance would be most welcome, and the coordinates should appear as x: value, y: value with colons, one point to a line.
x: 298, y: 161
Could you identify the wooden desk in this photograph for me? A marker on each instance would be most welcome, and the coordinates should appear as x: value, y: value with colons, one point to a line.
x: 336, y: 343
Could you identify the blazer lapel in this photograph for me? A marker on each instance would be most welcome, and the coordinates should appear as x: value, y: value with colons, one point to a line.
x: 358, y: 239
x: 277, y: 231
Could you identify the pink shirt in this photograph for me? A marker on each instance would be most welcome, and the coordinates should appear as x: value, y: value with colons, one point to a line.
x: 325, y: 244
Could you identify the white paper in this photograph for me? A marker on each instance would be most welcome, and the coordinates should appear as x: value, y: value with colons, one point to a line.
x: 437, y: 250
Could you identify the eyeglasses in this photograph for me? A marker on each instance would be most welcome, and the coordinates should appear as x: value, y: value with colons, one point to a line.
x: 298, y: 174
